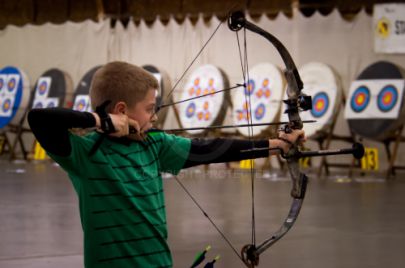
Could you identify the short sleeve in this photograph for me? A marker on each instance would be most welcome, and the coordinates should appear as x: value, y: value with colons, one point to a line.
x: 173, y: 153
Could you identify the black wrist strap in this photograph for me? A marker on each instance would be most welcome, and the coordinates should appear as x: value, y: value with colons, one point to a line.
x: 107, y: 125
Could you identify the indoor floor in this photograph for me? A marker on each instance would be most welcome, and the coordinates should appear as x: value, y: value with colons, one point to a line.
x: 344, y: 222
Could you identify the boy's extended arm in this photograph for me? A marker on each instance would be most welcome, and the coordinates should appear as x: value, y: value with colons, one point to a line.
x: 205, y: 151
x: 51, y: 127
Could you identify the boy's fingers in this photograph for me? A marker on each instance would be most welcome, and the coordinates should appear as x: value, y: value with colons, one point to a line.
x: 297, y: 136
x: 132, y: 130
x: 119, y: 122
x: 135, y: 132
x: 302, y: 136
x: 133, y: 125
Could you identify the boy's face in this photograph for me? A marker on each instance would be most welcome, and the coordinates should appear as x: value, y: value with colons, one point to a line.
x: 144, y: 111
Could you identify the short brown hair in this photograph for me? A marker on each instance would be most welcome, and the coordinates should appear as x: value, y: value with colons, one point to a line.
x: 120, y: 81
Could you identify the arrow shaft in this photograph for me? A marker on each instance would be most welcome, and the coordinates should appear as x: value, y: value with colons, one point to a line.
x: 355, y: 151
x: 231, y: 126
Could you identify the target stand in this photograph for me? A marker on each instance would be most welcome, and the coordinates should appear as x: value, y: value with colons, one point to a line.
x: 18, y: 130
x: 14, y: 98
x: 324, y: 140
x: 8, y: 147
x: 394, y: 142
x: 376, y: 110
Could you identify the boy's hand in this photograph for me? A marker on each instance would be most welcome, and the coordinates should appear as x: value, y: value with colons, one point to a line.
x: 135, y: 131
x: 120, y: 122
x: 286, y: 140
x: 125, y: 127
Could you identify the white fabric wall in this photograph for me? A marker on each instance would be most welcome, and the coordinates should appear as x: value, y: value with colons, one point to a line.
x: 72, y: 47
x: 77, y: 47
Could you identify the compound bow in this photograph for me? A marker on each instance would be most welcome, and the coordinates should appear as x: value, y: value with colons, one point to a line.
x: 295, y: 103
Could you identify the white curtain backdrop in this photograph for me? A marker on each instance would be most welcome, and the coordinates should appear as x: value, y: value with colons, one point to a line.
x: 347, y: 46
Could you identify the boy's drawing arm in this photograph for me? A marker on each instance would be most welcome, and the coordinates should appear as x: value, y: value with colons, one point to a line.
x: 51, y: 127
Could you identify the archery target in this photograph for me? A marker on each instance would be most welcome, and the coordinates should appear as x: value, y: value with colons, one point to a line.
x: 208, y: 110
x: 44, y: 83
x: 53, y: 89
x: 14, y: 95
x: 81, y: 98
x: 263, y: 93
x: 360, y: 99
x: 164, y: 89
x: 376, y: 101
x: 82, y: 103
x: 323, y: 84
x: 320, y: 104
x: 387, y: 98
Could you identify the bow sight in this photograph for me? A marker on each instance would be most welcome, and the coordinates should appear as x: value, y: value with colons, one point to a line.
x: 302, y: 103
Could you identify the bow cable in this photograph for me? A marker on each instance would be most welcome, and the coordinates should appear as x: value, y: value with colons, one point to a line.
x: 246, y: 81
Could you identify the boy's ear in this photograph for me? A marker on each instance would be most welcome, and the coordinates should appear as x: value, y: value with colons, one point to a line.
x: 120, y: 108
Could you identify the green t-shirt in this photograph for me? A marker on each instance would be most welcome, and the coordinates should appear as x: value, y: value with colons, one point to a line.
x: 122, y: 206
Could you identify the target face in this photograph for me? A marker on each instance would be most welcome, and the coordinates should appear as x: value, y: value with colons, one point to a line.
x: 260, y: 111
x: 251, y: 86
x: 43, y: 86
x: 320, y: 104
x: 360, y: 99
x: 14, y: 91
x: 52, y: 103
x: 387, y: 98
x: 82, y: 103
x: 6, y: 106
x: 38, y: 105
x: 12, y: 84
x: 190, y: 110
x: 263, y: 94
x: 206, y: 109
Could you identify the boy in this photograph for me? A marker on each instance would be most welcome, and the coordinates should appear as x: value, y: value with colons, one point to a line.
x: 118, y: 179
